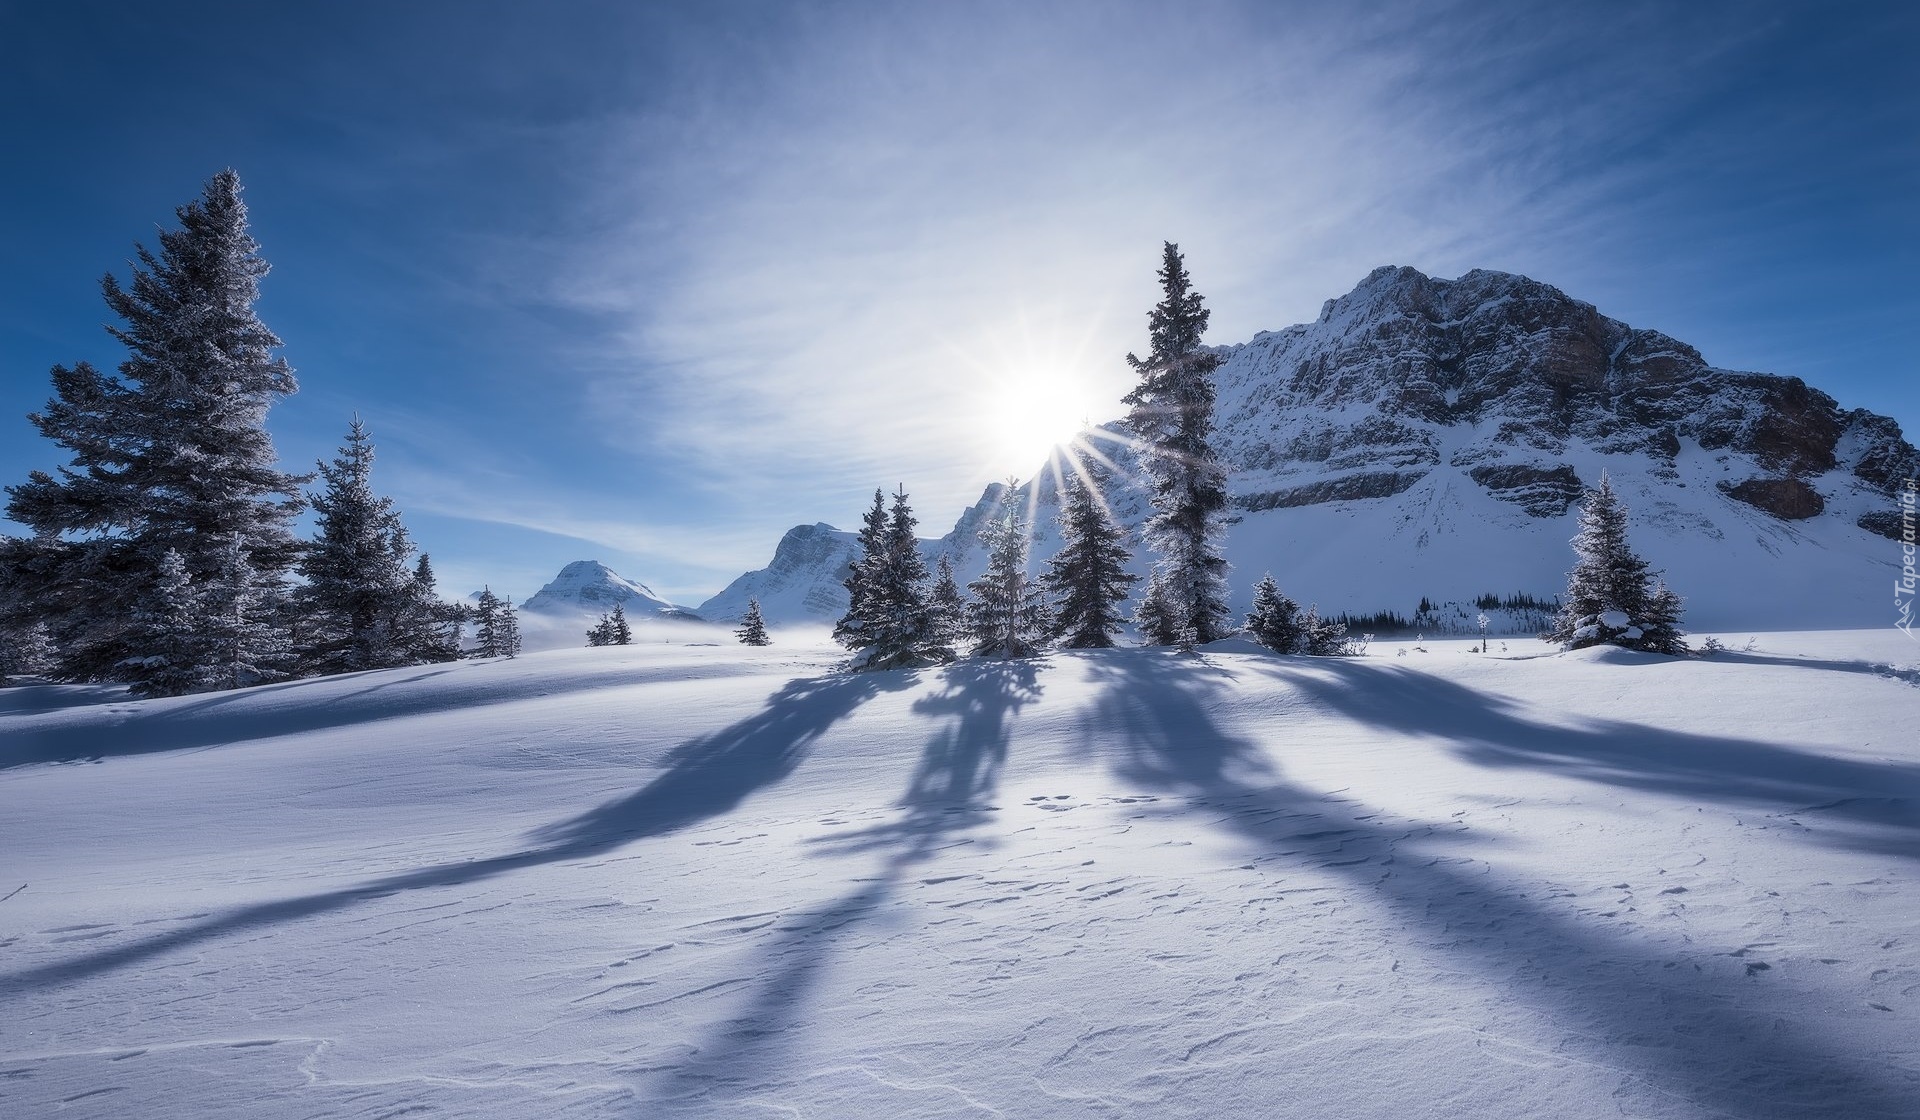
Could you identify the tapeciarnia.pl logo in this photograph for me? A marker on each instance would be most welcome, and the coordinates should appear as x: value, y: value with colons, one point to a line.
x: 1904, y: 587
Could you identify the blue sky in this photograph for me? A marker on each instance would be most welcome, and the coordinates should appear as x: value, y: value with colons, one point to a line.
x: 650, y: 283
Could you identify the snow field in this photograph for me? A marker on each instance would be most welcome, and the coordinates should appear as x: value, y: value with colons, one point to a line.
x: 673, y: 880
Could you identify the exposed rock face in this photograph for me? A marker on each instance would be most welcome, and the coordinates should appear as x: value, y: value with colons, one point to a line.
x: 1888, y: 523
x: 1789, y: 499
x: 1499, y: 370
x: 1541, y: 491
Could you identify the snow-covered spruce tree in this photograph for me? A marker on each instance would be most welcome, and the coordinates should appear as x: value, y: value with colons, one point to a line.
x: 1007, y: 616
x: 507, y: 630
x: 753, y: 628
x: 357, y: 605
x: 1158, y: 618
x: 1607, y: 589
x: 432, y: 625
x: 487, y: 638
x: 601, y: 633
x: 852, y: 631
x: 1323, y: 637
x: 170, y: 454
x: 899, y: 629
x: 1660, y: 624
x: 244, y: 637
x: 619, y: 633
x: 167, y: 655
x: 1088, y: 577
x: 949, y: 607
x: 1275, y: 619
x: 1172, y: 414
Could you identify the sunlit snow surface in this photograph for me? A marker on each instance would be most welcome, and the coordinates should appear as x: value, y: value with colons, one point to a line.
x: 672, y: 880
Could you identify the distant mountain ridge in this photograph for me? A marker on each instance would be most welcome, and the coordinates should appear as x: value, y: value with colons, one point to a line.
x: 1429, y: 438
x: 588, y: 587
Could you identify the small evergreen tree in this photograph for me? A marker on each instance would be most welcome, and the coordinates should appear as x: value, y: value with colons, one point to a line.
x: 1323, y: 637
x: 430, y: 626
x: 601, y: 633
x: 165, y: 635
x: 949, y: 607
x: 1159, y: 619
x: 618, y: 632
x: 243, y: 644
x: 1088, y: 577
x: 1275, y: 619
x: 487, y: 637
x: 854, y: 630
x: 1607, y: 596
x: 1007, y: 617
x: 509, y: 629
x: 360, y: 605
x: 1172, y: 414
x: 753, y: 628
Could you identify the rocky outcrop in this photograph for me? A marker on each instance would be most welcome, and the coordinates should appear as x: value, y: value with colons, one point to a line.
x: 1541, y: 491
x: 1502, y: 369
x: 1788, y: 499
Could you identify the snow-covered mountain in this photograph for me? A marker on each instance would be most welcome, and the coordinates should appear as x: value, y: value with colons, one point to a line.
x: 590, y: 587
x: 1430, y: 438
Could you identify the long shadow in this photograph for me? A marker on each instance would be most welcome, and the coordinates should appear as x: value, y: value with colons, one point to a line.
x: 1874, y: 806
x: 1684, y: 1030
x: 127, y: 726
x: 1866, y: 668
x: 704, y: 777
x: 947, y: 795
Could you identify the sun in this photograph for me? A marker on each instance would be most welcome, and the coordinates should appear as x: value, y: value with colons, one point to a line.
x: 1034, y: 412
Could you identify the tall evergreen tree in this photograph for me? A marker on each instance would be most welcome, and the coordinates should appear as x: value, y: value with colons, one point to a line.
x: 949, y: 607
x: 1172, y: 414
x: 753, y: 628
x: 1088, y: 577
x: 1608, y: 600
x: 601, y: 633
x: 1007, y: 616
x: 1275, y: 620
x: 619, y: 633
x: 172, y: 454
x: 854, y: 630
x: 359, y: 600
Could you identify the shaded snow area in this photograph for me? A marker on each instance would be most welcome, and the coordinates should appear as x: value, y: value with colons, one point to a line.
x: 659, y: 881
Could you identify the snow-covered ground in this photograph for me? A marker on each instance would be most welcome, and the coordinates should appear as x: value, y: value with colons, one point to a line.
x: 669, y: 880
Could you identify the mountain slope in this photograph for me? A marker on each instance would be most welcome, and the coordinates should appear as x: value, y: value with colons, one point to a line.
x: 1429, y: 438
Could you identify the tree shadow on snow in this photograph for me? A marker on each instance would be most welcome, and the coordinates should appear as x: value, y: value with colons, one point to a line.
x: 703, y: 778
x: 1871, y: 806
x: 1618, y: 1002
x: 947, y: 795
x: 130, y: 726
